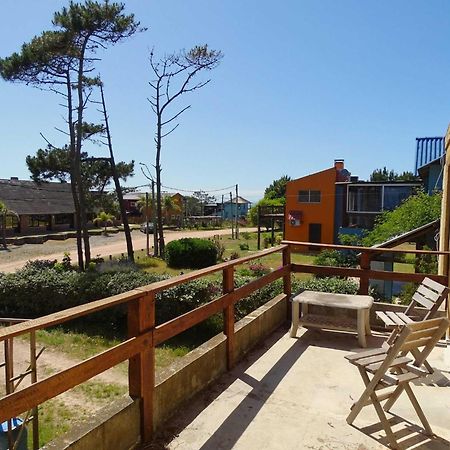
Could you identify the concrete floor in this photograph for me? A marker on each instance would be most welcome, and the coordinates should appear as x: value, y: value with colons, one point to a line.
x: 296, y: 394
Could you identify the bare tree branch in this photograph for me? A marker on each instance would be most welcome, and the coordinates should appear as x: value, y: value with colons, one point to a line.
x: 175, y: 116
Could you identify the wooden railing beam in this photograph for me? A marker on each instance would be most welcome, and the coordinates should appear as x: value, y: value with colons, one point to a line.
x: 16, y: 403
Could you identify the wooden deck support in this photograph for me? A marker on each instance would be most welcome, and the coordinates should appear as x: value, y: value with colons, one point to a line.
x: 228, y: 286
x: 141, y: 372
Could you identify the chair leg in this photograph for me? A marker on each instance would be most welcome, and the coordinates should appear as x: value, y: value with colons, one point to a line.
x: 384, y: 422
x: 418, y: 409
x: 394, y: 397
x: 358, y: 406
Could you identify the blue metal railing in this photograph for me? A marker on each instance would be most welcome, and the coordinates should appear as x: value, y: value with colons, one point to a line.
x: 427, y: 150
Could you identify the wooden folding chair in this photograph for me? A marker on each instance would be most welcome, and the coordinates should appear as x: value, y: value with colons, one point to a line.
x: 430, y: 294
x: 392, y: 369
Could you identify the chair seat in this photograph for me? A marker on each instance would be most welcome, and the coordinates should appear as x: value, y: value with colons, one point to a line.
x: 393, y: 319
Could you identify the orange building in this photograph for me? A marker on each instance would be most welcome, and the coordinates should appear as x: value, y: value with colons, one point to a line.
x: 311, y: 205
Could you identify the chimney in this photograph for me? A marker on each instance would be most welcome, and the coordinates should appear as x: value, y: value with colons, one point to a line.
x: 338, y: 164
x: 14, y: 178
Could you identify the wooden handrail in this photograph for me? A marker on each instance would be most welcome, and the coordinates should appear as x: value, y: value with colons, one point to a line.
x: 37, y: 393
x: 182, y: 323
x: 98, y: 305
x: 144, y: 336
x: 362, y: 249
x: 191, y: 276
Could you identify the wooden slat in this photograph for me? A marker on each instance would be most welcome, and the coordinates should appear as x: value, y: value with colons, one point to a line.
x: 428, y: 293
x: 396, y: 362
x: 440, y: 288
x: 385, y: 318
x: 395, y: 318
x: 419, y: 298
x: 427, y: 332
x: 416, y: 326
x: 16, y: 403
x: 402, y: 378
x: 404, y: 317
x: 365, y: 354
x: 370, y: 360
x: 410, y: 345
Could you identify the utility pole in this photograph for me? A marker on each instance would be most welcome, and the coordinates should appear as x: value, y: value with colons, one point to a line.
x: 231, y: 216
x: 237, y: 212
x: 222, y: 212
x: 146, y: 224
x: 155, y: 228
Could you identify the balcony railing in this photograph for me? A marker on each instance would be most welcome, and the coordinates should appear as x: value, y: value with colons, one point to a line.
x: 428, y: 150
x: 145, y: 335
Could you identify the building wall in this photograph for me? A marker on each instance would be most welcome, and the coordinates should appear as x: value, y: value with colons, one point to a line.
x: 322, y: 213
x: 229, y: 210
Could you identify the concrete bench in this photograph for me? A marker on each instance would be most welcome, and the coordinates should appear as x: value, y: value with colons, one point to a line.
x: 360, y: 303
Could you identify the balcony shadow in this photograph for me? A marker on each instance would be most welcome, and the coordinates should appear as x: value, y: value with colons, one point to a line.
x: 232, y: 428
x: 411, y: 436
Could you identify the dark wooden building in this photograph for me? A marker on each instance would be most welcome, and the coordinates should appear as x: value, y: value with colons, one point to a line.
x: 40, y: 207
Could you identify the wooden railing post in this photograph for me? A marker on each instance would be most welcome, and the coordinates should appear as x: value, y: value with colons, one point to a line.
x: 141, y: 372
x: 365, y: 266
x: 228, y: 286
x: 287, y: 285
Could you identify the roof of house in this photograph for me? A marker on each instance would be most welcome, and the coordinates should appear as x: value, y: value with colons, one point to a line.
x: 241, y: 200
x: 135, y: 196
x: 28, y: 197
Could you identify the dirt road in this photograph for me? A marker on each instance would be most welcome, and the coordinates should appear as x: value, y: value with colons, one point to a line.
x: 16, y: 257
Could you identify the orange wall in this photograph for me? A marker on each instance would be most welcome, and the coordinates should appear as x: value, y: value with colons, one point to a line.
x: 322, y: 212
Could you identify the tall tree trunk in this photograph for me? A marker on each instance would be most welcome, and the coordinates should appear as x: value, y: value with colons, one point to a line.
x: 73, y: 183
x: 4, y: 229
x: 123, y: 212
x: 77, y: 168
x: 158, y: 188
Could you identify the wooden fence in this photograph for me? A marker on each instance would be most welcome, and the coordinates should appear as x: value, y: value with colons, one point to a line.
x: 144, y: 335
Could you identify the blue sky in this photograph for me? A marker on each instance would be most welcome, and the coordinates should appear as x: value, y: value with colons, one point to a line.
x: 302, y: 83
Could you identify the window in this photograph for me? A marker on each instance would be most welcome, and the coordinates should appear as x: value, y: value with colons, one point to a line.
x: 309, y: 196
x: 394, y: 195
x: 294, y: 218
x: 38, y: 221
x: 63, y: 219
x: 365, y: 199
x: 11, y: 222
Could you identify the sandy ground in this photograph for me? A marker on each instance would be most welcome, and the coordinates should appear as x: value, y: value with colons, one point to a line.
x: 16, y: 256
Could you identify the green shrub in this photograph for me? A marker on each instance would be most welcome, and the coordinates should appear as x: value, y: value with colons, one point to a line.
x: 336, y: 258
x: 244, y: 246
x: 334, y: 285
x: 191, y: 253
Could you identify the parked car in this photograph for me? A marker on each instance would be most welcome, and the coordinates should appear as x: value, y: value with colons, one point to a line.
x: 147, y: 227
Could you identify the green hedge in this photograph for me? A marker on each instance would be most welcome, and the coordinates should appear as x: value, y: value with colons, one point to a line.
x: 193, y: 253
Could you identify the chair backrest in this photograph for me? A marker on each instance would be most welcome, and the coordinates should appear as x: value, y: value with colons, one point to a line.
x: 419, y: 338
x: 430, y: 294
